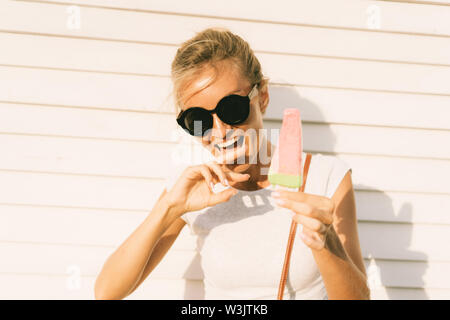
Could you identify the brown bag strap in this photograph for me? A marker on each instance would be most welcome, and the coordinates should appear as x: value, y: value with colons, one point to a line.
x: 291, y: 238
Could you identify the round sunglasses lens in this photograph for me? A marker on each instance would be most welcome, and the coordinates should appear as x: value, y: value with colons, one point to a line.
x: 234, y: 109
x: 197, y: 121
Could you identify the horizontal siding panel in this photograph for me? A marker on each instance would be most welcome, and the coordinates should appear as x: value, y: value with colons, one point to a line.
x: 399, y: 174
x: 360, y: 107
x: 55, y: 287
x: 45, y: 287
x: 285, y: 69
x: 380, y: 141
x: 79, y: 190
x: 410, y: 274
x: 104, y: 228
x: 409, y: 294
x: 366, y: 75
x: 85, y: 156
x: 430, y: 2
x: 95, y: 90
x: 87, y: 123
x: 105, y: 91
x: 396, y: 17
x: 403, y: 241
x: 165, y: 289
x: 106, y: 56
x: 144, y: 27
x: 48, y: 259
x: 403, y: 207
x: 71, y: 226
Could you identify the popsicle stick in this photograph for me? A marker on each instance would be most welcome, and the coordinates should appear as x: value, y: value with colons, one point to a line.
x: 292, y: 233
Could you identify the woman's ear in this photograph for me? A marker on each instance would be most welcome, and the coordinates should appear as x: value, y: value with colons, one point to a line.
x: 263, y: 96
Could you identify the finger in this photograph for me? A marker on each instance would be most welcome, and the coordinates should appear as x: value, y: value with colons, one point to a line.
x: 223, y: 196
x: 236, y: 176
x: 218, y: 172
x: 312, y: 239
x: 305, y: 209
x: 326, y: 204
x: 204, y: 171
x: 310, y: 242
x: 306, y: 239
x: 310, y: 223
x: 228, y: 174
x: 198, y: 172
x: 313, y: 234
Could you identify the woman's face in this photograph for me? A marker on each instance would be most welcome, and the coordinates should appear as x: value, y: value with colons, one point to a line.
x: 236, y: 146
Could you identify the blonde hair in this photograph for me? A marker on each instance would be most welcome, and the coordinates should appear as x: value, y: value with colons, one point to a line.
x: 210, y: 47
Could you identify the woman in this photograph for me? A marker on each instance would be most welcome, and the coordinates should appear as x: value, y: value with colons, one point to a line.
x: 242, y: 230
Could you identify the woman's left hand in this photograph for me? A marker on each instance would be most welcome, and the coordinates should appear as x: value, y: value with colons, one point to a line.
x: 314, y: 213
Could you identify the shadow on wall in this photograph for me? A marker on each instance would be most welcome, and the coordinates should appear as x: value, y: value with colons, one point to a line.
x: 375, y: 241
x: 387, y: 248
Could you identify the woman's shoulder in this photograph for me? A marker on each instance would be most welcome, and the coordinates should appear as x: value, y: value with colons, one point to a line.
x: 327, y: 172
x: 330, y: 161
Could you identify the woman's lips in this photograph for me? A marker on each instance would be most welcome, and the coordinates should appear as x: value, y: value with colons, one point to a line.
x: 231, y: 151
x: 230, y: 143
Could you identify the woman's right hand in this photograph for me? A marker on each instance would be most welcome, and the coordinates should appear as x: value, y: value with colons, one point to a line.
x: 194, y: 188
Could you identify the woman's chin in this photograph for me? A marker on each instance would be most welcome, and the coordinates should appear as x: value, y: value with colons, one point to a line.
x: 238, y: 163
x: 235, y: 156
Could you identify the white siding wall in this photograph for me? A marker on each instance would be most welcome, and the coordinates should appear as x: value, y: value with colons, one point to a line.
x: 83, y: 112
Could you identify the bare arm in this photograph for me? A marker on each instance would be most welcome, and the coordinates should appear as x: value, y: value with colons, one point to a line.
x: 330, y: 230
x: 128, y: 266
x: 141, y: 252
x: 340, y: 262
x: 160, y: 250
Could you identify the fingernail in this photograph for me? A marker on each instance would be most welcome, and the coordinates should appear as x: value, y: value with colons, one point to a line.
x: 279, y: 202
x: 305, y: 238
x: 211, y: 185
x: 226, y: 182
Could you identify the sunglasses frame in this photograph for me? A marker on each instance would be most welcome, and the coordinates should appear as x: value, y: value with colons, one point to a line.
x: 249, y: 97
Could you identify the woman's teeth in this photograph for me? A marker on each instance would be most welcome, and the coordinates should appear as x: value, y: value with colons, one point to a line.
x: 228, y: 143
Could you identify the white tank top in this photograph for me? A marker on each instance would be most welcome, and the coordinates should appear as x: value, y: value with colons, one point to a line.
x: 242, y: 242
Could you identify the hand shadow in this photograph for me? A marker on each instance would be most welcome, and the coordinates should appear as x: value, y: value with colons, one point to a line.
x: 213, y: 217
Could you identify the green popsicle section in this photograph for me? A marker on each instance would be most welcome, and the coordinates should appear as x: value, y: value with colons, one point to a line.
x: 286, y: 180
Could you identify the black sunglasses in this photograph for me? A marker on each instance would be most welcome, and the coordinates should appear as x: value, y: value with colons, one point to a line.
x: 233, y: 110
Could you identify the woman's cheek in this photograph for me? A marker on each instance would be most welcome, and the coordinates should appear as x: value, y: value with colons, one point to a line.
x: 206, y: 143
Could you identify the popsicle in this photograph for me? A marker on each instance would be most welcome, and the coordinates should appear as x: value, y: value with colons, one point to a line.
x: 285, y: 167
x: 285, y: 171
